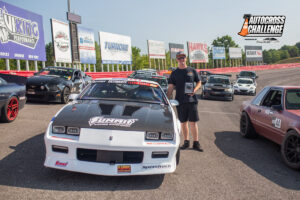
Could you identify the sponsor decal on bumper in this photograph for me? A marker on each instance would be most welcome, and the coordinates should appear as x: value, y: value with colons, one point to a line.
x: 124, y: 168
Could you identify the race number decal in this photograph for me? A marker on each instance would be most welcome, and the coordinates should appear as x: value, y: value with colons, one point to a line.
x: 276, y: 122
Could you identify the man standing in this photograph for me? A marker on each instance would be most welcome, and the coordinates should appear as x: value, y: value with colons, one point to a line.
x: 183, y: 78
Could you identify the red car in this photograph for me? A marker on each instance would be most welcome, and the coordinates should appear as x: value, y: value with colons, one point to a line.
x: 275, y: 114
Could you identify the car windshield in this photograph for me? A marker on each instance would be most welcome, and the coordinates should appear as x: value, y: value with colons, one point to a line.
x: 214, y: 79
x: 245, y: 73
x: 64, y: 73
x: 136, y: 91
x: 241, y: 81
x: 292, y: 99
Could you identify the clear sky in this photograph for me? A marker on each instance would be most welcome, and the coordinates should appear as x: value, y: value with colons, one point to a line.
x: 175, y: 21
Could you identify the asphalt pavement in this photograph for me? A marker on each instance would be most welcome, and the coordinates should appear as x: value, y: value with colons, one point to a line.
x: 231, y: 167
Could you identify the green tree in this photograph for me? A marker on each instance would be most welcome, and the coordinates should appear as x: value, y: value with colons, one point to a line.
x: 267, y: 56
x: 275, y: 55
x: 284, y: 54
x: 49, y: 54
x: 298, y: 45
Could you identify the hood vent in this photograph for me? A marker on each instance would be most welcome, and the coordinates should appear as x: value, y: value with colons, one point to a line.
x: 106, y: 109
x: 129, y: 110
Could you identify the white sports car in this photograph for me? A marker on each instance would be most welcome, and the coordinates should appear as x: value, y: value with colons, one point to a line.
x: 245, y: 86
x: 115, y: 127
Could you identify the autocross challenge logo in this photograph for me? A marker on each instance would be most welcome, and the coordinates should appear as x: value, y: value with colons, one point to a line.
x: 262, y: 26
x: 18, y: 30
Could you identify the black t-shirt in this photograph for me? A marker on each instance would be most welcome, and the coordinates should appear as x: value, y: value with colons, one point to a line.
x: 179, y: 77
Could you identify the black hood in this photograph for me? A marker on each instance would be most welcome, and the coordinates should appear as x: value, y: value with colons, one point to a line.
x: 117, y: 115
x: 42, y: 80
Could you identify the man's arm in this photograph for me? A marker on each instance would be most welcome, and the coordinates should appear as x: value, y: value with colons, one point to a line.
x: 170, y: 90
x: 198, y: 85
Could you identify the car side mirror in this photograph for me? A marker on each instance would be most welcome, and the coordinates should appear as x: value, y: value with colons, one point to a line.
x: 73, y: 97
x: 174, y: 102
x: 277, y: 107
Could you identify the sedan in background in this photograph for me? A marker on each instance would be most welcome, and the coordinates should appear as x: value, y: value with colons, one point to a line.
x: 275, y: 114
x: 245, y: 86
x: 115, y: 127
x: 247, y: 74
x: 55, y: 84
x: 218, y: 87
x: 12, y: 99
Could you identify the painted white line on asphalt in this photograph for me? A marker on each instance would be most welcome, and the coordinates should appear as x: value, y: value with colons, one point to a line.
x: 224, y: 113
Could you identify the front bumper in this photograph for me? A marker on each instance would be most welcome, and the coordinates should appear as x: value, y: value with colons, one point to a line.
x: 219, y: 95
x: 99, y: 139
x: 244, y: 91
x: 47, y: 96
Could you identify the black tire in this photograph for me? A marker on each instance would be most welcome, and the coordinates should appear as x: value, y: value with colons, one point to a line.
x: 254, y: 94
x: 290, y: 149
x: 178, y: 156
x: 11, y: 106
x: 246, y: 127
x: 65, y: 95
x: 232, y: 97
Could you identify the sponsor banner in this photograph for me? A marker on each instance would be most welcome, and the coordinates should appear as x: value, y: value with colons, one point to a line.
x: 253, y: 53
x: 156, y: 49
x: 86, y: 45
x: 21, y: 34
x: 115, y: 48
x: 61, y: 41
x: 235, y: 52
x: 174, y: 49
x: 198, y: 52
x: 218, y: 52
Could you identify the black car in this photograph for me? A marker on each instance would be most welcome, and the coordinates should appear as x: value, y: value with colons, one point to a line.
x: 247, y: 74
x: 161, y: 80
x: 12, y: 99
x: 55, y: 84
x: 143, y: 72
x: 218, y: 87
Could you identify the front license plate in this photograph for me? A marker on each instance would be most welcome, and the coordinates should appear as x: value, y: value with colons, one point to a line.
x: 124, y: 168
x: 30, y: 92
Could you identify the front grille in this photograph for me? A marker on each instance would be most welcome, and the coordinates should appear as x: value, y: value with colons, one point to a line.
x: 244, y: 90
x: 218, y: 90
x: 36, y: 88
x: 111, y: 157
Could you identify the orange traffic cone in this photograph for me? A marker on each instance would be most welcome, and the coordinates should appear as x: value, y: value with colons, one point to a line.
x: 244, y: 30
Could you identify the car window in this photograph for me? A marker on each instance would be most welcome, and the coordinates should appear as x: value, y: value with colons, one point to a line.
x: 292, y: 99
x: 214, y: 79
x: 241, y: 81
x: 246, y: 73
x: 64, y: 73
x: 272, y: 98
x: 131, y: 91
x: 2, y: 81
x: 257, y: 100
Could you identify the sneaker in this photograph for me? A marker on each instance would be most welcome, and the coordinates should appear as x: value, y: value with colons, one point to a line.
x: 185, y: 145
x: 196, y: 146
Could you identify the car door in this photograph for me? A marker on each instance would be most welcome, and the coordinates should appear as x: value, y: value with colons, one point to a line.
x: 265, y: 113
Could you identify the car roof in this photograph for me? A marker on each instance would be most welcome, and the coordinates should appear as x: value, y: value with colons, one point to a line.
x: 125, y: 79
x: 248, y: 79
x: 247, y: 71
x: 286, y: 87
x: 60, y: 67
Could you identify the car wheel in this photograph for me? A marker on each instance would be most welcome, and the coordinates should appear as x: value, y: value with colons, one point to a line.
x: 232, y: 98
x: 65, y: 95
x: 290, y: 149
x: 254, y: 94
x: 10, y: 110
x: 177, y: 156
x: 246, y: 127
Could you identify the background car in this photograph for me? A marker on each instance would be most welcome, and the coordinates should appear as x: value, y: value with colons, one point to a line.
x: 275, y: 114
x: 245, y: 86
x: 218, y: 87
x: 55, y: 84
x: 115, y: 127
x: 12, y: 99
x: 203, y: 75
x: 247, y: 74
x: 143, y: 72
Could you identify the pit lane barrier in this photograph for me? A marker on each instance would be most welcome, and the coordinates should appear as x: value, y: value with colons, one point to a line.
x: 125, y: 74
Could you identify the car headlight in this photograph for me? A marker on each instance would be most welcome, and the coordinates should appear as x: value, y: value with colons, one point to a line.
x: 53, y: 87
x: 228, y: 89
x: 207, y: 88
x: 42, y: 87
x: 166, y: 136
x: 59, y: 129
x: 73, y: 130
x: 152, y: 136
